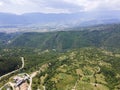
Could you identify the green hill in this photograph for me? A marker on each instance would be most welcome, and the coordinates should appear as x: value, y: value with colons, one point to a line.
x: 106, y: 36
x: 84, y: 64
x: 86, y: 68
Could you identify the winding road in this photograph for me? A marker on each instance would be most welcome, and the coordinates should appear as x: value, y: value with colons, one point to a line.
x: 22, y: 59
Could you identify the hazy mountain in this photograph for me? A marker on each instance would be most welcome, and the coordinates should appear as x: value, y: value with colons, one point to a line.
x: 82, y: 18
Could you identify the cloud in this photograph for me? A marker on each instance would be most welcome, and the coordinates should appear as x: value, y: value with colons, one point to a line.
x: 57, y: 6
x: 28, y: 6
x: 91, y: 5
x: 1, y: 3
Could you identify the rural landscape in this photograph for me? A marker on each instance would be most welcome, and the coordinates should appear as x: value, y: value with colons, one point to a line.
x: 72, y: 60
x: 60, y: 45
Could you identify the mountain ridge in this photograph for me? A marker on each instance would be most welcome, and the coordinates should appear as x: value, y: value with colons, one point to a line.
x: 82, y: 18
x: 101, y: 36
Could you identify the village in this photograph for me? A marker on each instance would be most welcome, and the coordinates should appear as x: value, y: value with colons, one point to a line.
x: 19, y: 82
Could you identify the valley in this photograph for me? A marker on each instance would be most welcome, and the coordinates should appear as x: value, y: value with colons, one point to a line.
x: 77, y: 59
x: 59, y: 44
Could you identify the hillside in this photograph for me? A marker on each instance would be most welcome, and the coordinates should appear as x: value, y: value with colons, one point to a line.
x: 86, y: 68
x: 71, y: 59
x: 106, y: 36
x: 5, y: 38
x: 8, y: 65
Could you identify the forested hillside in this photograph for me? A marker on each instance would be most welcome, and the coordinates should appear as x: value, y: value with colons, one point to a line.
x: 9, y: 64
x: 106, y: 36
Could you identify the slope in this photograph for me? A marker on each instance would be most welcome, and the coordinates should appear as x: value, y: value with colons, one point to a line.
x: 85, y: 68
x: 106, y: 36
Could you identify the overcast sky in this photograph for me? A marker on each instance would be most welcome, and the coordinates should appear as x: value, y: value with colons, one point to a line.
x: 57, y: 6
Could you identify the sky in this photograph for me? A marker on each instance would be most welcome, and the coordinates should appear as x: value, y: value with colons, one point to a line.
x: 57, y: 6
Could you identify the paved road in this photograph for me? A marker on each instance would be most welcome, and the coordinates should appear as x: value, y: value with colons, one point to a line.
x: 22, y: 59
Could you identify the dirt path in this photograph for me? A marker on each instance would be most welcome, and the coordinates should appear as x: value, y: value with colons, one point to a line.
x: 31, y: 77
x: 74, y: 88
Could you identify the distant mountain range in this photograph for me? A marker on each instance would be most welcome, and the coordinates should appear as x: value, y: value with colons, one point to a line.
x: 74, y: 19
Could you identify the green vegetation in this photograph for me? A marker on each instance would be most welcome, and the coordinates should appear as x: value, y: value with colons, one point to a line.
x: 9, y: 64
x: 106, y: 36
x: 67, y: 60
x: 86, y: 67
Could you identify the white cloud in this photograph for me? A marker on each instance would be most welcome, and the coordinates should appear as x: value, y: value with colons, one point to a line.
x: 90, y: 5
x: 114, y: 4
x: 1, y: 3
x: 18, y: 2
x: 87, y: 4
x: 28, y: 6
x: 57, y: 6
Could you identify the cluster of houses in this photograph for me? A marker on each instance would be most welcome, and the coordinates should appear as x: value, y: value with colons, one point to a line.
x: 19, y: 80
